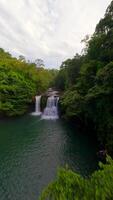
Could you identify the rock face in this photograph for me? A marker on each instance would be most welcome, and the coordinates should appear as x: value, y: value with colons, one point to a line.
x: 51, y: 92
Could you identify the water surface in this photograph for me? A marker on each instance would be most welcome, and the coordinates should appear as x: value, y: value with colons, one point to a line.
x: 31, y: 150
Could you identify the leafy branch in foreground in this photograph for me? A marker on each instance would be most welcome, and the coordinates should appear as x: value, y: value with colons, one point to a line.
x: 72, y: 186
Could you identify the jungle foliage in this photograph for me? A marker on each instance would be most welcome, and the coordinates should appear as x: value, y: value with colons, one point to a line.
x: 20, y: 81
x: 71, y: 186
x: 87, y: 85
x: 87, y: 82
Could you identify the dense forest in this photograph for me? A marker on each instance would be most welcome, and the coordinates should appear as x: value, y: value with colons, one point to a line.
x: 86, y: 86
x: 87, y: 82
x: 20, y: 81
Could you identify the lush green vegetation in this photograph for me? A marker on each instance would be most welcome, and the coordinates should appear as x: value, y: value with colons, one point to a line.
x: 87, y: 82
x: 20, y: 81
x: 71, y: 186
x: 87, y: 85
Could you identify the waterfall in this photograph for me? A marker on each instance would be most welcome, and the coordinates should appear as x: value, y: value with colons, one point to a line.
x: 37, y: 106
x: 51, y: 110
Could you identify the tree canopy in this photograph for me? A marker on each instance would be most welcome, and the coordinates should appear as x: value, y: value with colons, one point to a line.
x: 19, y: 82
x: 87, y: 83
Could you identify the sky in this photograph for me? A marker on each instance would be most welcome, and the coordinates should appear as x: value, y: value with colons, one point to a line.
x: 51, y: 30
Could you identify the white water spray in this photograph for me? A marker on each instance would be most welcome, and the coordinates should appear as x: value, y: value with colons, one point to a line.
x: 51, y: 110
x: 37, y: 106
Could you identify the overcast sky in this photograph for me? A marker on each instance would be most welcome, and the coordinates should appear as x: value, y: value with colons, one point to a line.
x: 48, y: 29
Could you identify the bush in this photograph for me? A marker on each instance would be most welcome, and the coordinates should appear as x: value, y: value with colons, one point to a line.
x: 71, y: 186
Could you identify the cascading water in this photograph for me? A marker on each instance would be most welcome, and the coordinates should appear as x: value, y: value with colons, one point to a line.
x: 37, y: 106
x: 51, y: 110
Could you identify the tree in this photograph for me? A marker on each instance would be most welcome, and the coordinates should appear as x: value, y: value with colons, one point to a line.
x: 39, y: 62
x: 88, y: 83
x: 100, y: 47
x: 22, y: 58
x: 19, y: 82
x: 69, y: 72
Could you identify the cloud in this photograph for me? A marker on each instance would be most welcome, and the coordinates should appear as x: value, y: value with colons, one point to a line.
x: 48, y: 29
